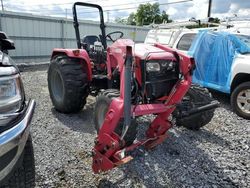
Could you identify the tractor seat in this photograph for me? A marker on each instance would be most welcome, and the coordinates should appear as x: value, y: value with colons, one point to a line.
x: 90, y: 40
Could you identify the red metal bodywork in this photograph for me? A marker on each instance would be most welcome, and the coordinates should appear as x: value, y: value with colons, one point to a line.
x: 110, y: 150
x: 117, y: 51
x: 81, y: 54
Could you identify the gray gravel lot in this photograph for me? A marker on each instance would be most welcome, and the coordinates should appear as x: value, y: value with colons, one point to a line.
x: 216, y: 156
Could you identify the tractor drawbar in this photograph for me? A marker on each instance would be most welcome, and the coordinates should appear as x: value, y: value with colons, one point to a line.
x: 212, y: 105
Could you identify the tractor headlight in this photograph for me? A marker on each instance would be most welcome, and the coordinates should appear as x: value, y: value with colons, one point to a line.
x: 160, y: 66
x: 153, y: 67
x: 168, y: 65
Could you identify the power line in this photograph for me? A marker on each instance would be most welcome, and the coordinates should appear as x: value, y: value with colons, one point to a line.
x: 95, y: 3
x: 159, y: 4
x: 129, y: 8
x: 113, y: 10
x: 67, y: 3
x: 59, y: 12
x: 90, y: 1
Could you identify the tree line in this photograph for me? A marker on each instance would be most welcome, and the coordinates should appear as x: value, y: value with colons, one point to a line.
x: 147, y: 14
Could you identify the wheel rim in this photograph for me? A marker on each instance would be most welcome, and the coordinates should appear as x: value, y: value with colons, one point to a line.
x: 57, y: 86
x: 102, y: 110
x: 243, y: 101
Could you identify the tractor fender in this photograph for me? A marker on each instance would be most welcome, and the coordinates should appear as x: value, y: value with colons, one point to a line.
x: 76, y: 53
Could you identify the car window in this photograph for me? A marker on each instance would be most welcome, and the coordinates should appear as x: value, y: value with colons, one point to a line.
x: 186, y: 41
x: 164, y: 38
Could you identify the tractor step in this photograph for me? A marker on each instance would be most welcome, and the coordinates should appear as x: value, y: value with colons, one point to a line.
x: 100, y: 77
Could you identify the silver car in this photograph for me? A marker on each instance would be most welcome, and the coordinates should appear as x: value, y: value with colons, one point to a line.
x: 16, y: 151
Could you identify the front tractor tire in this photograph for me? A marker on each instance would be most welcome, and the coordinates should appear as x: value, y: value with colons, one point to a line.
x: 196, y: 96
x: 102, y: 104
x: 240, y: 100
x: 68, y: 84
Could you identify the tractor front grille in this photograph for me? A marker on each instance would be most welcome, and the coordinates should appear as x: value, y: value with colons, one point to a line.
x: 159, y: 83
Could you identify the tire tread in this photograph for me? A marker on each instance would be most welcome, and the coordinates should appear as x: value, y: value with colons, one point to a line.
x: 196, y: 121
x: 75, y: 83
x: 107, y: 96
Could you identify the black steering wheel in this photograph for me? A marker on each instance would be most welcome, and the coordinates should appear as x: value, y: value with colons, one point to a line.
x: 115, y: 32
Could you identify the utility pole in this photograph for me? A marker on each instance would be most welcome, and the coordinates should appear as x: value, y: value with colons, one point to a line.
x: 2, y: 5
x: 209, y: 8
x: 66, y: 23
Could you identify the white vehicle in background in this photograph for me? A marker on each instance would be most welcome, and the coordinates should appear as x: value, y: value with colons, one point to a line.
x: 169, y: 34
x: 178, y: 37
x: 235, y: 25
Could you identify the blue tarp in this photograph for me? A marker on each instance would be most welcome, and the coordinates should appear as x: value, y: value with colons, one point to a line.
x: 214, y: 54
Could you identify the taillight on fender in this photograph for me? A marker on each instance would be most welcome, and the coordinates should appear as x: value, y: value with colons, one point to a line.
x: 76, y: 52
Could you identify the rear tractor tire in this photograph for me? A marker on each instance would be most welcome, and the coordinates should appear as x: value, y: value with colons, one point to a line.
x: 196, y: 96
x: 102, y: 104
x: 68, y: 84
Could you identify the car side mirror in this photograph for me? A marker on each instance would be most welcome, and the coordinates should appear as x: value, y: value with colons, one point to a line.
x: 5, y: 43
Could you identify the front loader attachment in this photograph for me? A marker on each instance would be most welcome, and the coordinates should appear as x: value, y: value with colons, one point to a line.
x: 110, y: 148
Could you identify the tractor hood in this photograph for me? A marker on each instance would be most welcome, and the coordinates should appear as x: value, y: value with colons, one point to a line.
x: 141, y: 51
x: 147, y: 51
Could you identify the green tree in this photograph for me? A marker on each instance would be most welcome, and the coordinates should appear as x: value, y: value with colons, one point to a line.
x: 215, y: 20
x: 165, y: 17
x: 146, y: 14
x: 131, y: 20
x: 202, y: 25
x: 121, y: 20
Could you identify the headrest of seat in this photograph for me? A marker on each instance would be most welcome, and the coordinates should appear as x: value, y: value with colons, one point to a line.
x: 90, y: 39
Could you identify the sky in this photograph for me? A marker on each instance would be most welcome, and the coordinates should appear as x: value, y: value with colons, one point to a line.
x: 114, y: 9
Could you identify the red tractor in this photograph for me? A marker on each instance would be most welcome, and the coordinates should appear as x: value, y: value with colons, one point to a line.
x: 133, y: 80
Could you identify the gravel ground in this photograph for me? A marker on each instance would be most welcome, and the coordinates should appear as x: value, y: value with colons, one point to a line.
x: 216, y: 156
